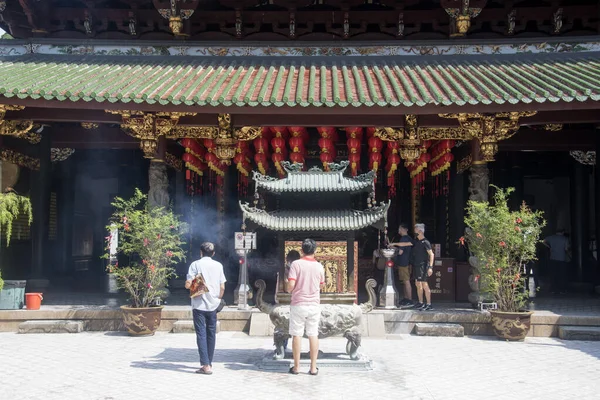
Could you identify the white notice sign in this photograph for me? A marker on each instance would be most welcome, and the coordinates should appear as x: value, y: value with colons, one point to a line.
x: 245, y: 242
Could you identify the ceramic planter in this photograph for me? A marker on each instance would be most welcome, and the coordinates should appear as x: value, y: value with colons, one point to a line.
x: 141, y: 321
x: 511, y: 325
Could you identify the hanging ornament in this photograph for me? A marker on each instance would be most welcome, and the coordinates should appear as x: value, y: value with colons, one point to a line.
x: 375, y: 146
x: 327, y: 154
x: 261, y: 146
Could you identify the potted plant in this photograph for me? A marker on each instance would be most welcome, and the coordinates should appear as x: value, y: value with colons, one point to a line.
x: 150, y: 238
x: 12, y: 293
x: 503, y: 241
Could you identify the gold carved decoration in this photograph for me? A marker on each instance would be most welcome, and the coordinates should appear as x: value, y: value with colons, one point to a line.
x: 174, y: 162
x: 490, y: 129
x: 89, y: 125
x: 461, y: 13
x: 411, y: 135
x: 553, y: 127
x: 18, y: 128
x: 464, y: 164
x: 20, y: 159
x: 334, y: 257
x: 149, y: 127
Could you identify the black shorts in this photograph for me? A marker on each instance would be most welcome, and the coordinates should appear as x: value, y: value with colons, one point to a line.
x: 420, y: 272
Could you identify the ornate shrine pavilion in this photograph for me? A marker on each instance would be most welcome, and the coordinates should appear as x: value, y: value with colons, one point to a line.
x: 434, y: 99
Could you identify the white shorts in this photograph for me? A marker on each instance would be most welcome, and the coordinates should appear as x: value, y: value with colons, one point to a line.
x: 305, y: 319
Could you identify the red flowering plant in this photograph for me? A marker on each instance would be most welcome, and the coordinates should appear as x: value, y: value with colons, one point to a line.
x: 150, y: 237
x: 503, y: 241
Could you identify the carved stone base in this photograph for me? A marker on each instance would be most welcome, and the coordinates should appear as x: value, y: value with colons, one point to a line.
x: 158, y: 190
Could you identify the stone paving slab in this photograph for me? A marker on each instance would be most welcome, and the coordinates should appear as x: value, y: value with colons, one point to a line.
x: 114, y: 366
x: 579, y: 333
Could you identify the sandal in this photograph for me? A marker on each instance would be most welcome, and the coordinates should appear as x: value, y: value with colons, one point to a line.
x: 292, y: 371
x: 202, y: 371
x: 314, y: 373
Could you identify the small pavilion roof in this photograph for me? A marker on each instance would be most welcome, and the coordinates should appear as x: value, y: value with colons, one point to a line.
x: 317, y: 220
x: 315, y: 180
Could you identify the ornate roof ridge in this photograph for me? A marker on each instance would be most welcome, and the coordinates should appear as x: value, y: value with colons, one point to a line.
x: 326, y: 49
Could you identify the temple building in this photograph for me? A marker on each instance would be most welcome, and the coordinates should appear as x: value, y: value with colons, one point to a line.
x: 202, y: 104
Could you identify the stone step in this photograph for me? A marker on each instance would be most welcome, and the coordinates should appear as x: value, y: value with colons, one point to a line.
x: 579, y: 333
x: 51, y: 326
x: 187, y: 326
x: 451, y: 330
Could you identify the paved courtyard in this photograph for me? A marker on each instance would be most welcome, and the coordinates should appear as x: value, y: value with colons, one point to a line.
x: 113, y: 366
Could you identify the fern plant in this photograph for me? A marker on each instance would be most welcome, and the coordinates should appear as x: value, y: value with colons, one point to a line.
x: 11, y: 206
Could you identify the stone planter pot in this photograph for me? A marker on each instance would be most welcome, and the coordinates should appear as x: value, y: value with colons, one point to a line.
x: 511, y: 325
x: 141, y: 321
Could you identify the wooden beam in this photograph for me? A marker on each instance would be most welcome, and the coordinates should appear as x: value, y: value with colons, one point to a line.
x: 541, y: 140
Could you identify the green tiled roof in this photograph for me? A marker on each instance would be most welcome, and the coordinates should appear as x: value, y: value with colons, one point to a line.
x: 316, y: 220
x: 303, y: 81
x: 315, y: 180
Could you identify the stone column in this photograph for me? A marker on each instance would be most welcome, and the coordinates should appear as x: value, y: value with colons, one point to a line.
x: 479, y: 183
x: 66, y: 201
x: 579, y: 219
x: 596, y: 270
x: 158, y: 179
x: 40, y: 198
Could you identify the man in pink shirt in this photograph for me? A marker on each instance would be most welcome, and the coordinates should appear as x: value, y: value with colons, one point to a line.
x: 305, y: 280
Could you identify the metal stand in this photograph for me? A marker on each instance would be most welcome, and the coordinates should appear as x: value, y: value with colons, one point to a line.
x: 243, y: 288
x: 388, y: 295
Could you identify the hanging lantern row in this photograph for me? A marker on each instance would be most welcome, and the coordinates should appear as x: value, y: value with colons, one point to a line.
x: 441, y: 159
x: 261, y: 149
x: 417, y: 172
x: 280, y: 134
x: 243, y: 164
x: 354, y: 135
x: 327, y: 145
x: 297, y: 140
x: 375, y: 147
x: 193, y: 160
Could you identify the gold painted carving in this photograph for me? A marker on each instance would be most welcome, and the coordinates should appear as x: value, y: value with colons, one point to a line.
x: 89, y: 125
x: 20, y: 159
x: 490, y: 129
x: 553, y: 127
x: 411, y: 135
x: 461, y: 16
x: 18, y: 128
x: 333, y: 256
x: 464, y: 164
x: 149, y: 127
x: 173, y: 162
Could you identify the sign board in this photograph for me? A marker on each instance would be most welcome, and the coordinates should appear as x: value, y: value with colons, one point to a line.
x: 245, y: 242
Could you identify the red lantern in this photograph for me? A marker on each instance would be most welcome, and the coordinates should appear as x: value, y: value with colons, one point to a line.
x: 278, y: 144
x: 328, y: 132
x: 371, y: 131
x: 326, y: 158
x: 262, y: 163
x: 374, y: 161
x: 297, y: 158
x: 353, y: 145
x: 299, y: 131
x: 354, y: 159
x: 280, y: 131
x: 355, y: 132
x: 375, y: 144
x: 261, y: 145
x: 277, y: 159
x: 296, y: 144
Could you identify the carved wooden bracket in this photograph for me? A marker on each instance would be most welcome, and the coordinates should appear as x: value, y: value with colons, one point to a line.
x: 176, y: 11
x: 411, y: 135
x: 20, y: 159
x: 489, y: 129
x: 461, y: 12
x: 20, y: 129
x: 149, y: 127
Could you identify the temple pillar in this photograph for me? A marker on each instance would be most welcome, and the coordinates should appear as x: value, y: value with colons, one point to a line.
x: 40, y: 199
x: 457, y: 202
x: 66, y: 203
x: 595, y: 272
x: 479, y: 183
x: 579, y: 186
x: 158, y: 179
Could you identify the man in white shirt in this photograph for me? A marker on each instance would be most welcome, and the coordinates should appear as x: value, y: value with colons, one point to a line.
x: 204, y: 307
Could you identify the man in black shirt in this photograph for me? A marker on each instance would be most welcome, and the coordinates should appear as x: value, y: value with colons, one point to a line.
x: 403, y: 245
x: 422, y: 262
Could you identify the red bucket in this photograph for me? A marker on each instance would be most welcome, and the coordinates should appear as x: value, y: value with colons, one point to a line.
x: 33, y: 301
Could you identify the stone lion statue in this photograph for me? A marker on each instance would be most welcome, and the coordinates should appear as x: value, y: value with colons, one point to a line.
x: 335, y: 320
